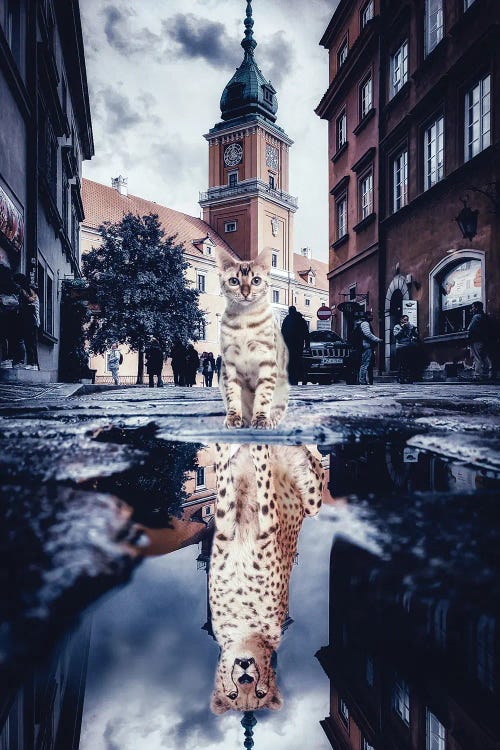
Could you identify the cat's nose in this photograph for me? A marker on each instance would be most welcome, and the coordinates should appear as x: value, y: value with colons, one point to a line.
x: 245, y: 291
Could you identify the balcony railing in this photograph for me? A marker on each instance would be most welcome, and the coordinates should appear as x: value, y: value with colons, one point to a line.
x: 245, y: 187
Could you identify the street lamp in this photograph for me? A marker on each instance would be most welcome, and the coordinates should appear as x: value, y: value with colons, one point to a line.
x: 467, y: 220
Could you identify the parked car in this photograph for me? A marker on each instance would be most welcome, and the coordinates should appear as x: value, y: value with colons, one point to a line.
x: 329, y: 359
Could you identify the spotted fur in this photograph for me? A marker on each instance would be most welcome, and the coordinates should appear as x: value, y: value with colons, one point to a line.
x: 254, y: 382
x: 264, y: 492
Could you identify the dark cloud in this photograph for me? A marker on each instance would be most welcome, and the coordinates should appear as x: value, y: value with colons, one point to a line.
x: 276, y: 57
x: 116, y: 111
x: 200, y: 38
x: 125, y: 37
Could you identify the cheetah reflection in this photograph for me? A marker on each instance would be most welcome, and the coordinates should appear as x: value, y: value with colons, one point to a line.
x: 264, y: 492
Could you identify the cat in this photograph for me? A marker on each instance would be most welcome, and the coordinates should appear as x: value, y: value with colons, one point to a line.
x: 264, y: 493
x: 254, y: 381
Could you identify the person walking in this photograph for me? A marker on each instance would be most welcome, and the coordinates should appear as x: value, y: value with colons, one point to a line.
x: 177, y: 354
x: 11, y: 345
x: 209, y: 369
x: 364, y: 341
x: 192, y: 365
x: 29, y: 319
x: 296, y: 334
x: 154, y: 362
x: 479, y: 334
x: 115, y: 358
x: 407, y: 341
x: 218, y: 365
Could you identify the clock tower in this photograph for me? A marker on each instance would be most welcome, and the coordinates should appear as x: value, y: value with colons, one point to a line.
x: 247, y: 201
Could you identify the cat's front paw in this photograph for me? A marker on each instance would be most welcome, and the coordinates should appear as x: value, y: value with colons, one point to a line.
x: 262, y: 422
x: 233, y: 421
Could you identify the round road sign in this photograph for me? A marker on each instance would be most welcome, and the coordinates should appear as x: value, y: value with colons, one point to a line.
x: 324, y: 313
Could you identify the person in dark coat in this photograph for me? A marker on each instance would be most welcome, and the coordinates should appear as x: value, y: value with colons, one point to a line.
x: 29, y: 319
x: 218, y: 365
x: 11, y: 344
x: 192, y: 365
x: 178, y: 354
x: 154, y: 362
x: 480, y: 337
x: 208, y: 369
x: 296, y: 335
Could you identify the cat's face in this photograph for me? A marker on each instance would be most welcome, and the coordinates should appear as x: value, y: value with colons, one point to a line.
x: 244, y: 283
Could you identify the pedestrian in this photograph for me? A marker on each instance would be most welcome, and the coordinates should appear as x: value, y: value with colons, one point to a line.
x: 407, y: 347
x: 201, y: 367
x: 208, y: 369
x: 115, y: 359
x: 364, y: 340
x: 480, y: 336
x: 218, y: 365
x: 154, y: 362
x: 29, y: 319
x: 177, y: 354
x: 11, y: 345
x: 192, y: 365
x: 296, y: 334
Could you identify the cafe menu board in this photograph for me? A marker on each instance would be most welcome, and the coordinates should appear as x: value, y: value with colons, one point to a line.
x: 462, y: 286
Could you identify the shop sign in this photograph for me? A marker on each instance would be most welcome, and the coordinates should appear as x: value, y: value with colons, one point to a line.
x: 462, y: 286
x: 410, y: 308
x: 11, y: 221
x: 324, y: 325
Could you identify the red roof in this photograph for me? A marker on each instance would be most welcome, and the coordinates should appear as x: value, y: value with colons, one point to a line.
x: 102, y: 203
x: 302, y: 264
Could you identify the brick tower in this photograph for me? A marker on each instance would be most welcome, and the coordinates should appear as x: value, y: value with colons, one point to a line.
x: 247, y: 201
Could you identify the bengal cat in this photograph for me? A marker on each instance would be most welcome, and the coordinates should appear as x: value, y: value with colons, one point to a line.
x: 254, y: 382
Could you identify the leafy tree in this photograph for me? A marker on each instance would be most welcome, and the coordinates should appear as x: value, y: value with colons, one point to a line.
x: 140, y: 288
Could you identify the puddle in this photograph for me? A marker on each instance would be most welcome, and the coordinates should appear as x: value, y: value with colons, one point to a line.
x: 389, y: 637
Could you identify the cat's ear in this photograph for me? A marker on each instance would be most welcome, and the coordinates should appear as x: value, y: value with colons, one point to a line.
x: 225, y: 260
x: 263, y: 259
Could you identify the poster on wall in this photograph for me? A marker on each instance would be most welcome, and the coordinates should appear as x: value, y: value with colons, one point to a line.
x: 462, y: 286
x: 410, y: 308
x: 11, y: 221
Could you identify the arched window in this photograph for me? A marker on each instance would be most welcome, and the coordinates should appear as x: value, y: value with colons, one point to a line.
x: 454, y: 284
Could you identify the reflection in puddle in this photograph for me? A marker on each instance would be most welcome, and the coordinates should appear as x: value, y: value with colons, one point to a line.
x: 404, y: 620
x: 263, y: 495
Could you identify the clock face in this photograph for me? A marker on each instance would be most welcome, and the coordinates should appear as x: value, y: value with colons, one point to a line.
x: 272, y: 156
x: 233, y: 154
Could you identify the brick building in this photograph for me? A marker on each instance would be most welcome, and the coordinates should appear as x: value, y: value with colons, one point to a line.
x: 45, y: 134
x: 436, y: 145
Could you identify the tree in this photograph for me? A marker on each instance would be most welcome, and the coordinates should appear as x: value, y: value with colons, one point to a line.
x: 140, y: 288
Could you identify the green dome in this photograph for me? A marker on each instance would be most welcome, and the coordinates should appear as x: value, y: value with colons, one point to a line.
x: 248, y: 91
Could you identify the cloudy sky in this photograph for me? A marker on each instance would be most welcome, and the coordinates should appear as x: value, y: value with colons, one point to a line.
x: 156, y: 71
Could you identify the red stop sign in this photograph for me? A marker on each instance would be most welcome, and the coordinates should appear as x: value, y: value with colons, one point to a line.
x: 324, y: 313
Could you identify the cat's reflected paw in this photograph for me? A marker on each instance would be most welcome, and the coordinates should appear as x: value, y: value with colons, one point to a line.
x: 261, y: 422
x: 233, y: 421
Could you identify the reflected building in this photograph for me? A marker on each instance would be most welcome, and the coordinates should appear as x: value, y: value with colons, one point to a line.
x: 406, y: 669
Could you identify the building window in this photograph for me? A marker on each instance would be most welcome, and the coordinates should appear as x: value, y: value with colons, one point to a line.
x: 365, y: 98
x: 434, y: 153
x: 366, y: 196
x: 230, y: 226
x: 341, y: 126
x: 232, y: 179
x: 477, y: 118
x: 344, y: 713
x: 311, y: 279
x: 435, y: 733
x: 400, y: 181
x: 341, y: 217
x: 274, y: 260
x: 366, y: 745
x: 467, y: 4
x: 434, y: 26
x: 276, y: 296
x: 200, y: 476
x: 13, y: 30
x: 46, y: 298
x: 272, y: 182
x: 307, y: 301
x: 399, y: 68
x: 342, y: 54
x: 367, y: 13
x: 268, y: 95
x: 201, y: 282
x: 401, y: 700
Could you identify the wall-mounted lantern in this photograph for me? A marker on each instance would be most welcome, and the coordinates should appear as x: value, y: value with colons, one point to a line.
x: 467, y: 220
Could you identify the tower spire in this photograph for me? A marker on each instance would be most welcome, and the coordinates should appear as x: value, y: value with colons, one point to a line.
x: 248, y: 42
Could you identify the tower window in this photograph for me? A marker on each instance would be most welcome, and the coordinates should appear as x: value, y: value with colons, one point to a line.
x: 272, y: 182
x: 268, y: 95
x: 230, y: 226
x: 232, y: 179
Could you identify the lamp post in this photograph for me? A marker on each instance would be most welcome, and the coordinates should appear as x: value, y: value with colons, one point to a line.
x: 467, y: 220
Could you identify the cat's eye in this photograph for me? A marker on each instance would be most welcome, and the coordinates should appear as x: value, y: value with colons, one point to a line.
x: 233, y: 281
x: 232, y: 696
x: 256, y: 280
x: 261, y: 694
